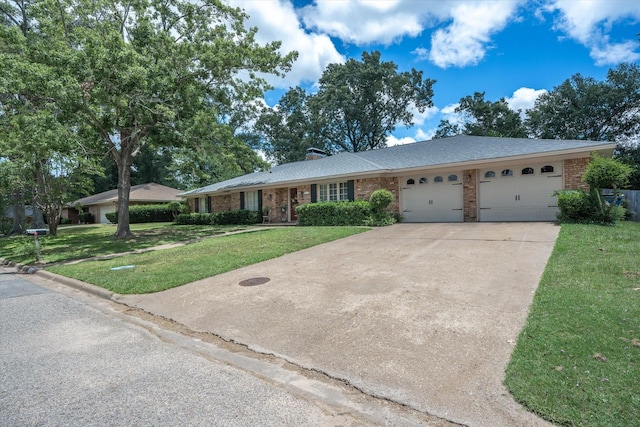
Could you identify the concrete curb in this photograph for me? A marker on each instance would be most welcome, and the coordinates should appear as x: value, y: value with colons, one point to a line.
x: 67, y: 281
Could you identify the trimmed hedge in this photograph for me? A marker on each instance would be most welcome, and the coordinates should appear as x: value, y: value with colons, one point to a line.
x: 237, y: 217
x: 85, y: 218
x: 334, y: 213
x: 140, y: 214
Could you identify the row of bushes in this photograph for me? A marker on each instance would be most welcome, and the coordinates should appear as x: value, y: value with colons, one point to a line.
x: 238, y: 217
x: 139, y: 214
x: 359, y: 212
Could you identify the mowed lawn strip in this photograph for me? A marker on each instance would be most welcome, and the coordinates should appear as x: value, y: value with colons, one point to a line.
x: 164, y: 269
x: 85, y: 241
x: 577, y: 361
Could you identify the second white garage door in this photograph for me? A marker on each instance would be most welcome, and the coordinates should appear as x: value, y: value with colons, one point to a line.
x: 520, y: 193
x: 432, y: 198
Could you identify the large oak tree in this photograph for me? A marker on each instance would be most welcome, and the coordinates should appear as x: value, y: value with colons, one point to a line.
x: 143, y: 70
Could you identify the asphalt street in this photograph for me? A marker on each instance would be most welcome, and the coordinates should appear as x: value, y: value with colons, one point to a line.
x: 63, y: 362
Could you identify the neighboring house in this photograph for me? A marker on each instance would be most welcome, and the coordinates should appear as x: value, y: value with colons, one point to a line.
x: 455, y: 179
x: 101, y: 204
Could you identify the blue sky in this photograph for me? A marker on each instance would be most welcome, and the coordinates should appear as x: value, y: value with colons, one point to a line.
x: 515, y: 49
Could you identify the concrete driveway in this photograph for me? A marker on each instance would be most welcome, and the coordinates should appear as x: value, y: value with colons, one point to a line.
x: 424, y: 314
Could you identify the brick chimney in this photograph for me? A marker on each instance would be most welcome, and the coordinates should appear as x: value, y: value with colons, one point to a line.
x: 315, y: 153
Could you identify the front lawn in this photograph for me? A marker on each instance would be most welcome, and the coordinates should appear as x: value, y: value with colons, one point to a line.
x: 85, y: 241
x: 159, y: 270
x: 577, y: 361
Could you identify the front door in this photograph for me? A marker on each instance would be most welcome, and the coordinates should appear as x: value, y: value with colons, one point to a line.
x: 293, y: 202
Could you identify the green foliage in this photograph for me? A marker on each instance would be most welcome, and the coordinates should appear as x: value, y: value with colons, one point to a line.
x: 576, y: 360
x: 287, y: 131
x: 23, y: 248
x: 576, y: 206
x: 486, y: 118
x: 6, y: 225
x: 584, y: 108
x: 140, y: 214
x: 358, y: 104
x: 236, y: 217
x: 86, y: 218
x: 131, y: 73
x: 65, y: 221
x: 163, y: 269
x: 334, y: 213
x: 606, y: 173
x: 380, y: 200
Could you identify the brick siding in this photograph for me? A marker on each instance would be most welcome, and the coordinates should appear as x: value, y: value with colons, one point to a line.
x: 573, y: 171
x: 364, y: 187
x: 470, y: 195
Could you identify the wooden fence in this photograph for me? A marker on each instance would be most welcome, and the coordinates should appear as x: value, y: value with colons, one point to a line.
x: 633, y: 196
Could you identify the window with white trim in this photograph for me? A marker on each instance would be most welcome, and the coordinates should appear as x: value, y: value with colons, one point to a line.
x: 333, y: 192
x: 251, y: 201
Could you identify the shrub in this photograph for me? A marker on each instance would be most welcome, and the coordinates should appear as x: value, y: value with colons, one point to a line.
x: 85, y: 218
x: 334, y: 213
x: 380, y: 200
x: 65, y: 221
x: 237, y: 217
x: 195, y: 219
x: 580, y: 206
x: 6, y: 225
x: 140, y: 214
x: 576, y: 206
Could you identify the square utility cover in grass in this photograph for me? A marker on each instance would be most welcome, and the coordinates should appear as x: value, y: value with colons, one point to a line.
x: 165, y: 269
x: 577, y: 361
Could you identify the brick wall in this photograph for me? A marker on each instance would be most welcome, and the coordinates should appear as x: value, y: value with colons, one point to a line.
x: 470, y: 195
x: 573, y: 171
x: 364, y: 187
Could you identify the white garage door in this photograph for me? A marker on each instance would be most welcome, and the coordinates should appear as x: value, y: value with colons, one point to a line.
x: 432, y: 198
x: 104, y: 210
x: 520, y: 193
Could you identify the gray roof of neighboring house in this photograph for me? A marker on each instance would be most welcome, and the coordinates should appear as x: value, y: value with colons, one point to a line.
x: 139, y: 193
x: 432, y: 153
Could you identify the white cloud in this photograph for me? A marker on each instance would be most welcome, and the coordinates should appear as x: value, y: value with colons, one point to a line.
x: 421, y: 135
x: 465, y: 40
x: 392, y: 140
x: 419, y: 118
x: 589, y: 22
x: 615, y: 53
x: 277, y: 20
x: 363, y: 22
x: 524, y: 98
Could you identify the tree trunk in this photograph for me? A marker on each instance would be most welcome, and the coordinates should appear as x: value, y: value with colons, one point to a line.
x: 18, y: 213
x: 123, y: 160
x: 53, y: 219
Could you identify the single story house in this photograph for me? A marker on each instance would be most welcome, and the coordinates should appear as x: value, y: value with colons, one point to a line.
x: 102, y: 203
x: 455, y: 179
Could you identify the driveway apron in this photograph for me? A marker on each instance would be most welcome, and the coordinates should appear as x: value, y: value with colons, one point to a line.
x: 424, y: 314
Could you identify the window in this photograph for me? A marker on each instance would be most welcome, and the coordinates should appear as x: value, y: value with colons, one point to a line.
x: 490, y: 174
x: 196, y: 205
x: 527, y: 171
x: 438, y: 179
x: 411, y: 181
x: 251, y: 201
x: 547, y: 169
x: 452, y: 178
x: 334, y: 192
x: 507, y: 172
x: 423, y: 180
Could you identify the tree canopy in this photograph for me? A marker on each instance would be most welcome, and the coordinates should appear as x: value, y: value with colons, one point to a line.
x: 357, y: 105
x: 141, y: 71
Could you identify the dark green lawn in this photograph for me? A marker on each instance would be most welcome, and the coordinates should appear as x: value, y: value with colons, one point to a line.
x: 577, y: 361
x: 159, y: 270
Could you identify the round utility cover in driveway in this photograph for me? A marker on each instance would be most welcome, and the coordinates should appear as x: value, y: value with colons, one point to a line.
x: 520, y: 193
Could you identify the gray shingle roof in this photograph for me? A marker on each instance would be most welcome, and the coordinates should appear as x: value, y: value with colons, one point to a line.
x: 139, y: 193
x: 432, y: 153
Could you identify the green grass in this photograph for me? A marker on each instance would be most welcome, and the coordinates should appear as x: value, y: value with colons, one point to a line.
x: 577, y: 361
x: 85, y: 241
x: 159, y: 270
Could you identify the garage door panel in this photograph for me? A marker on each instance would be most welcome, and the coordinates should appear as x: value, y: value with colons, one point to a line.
x: 432, y: 201
x: 520, y: 197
